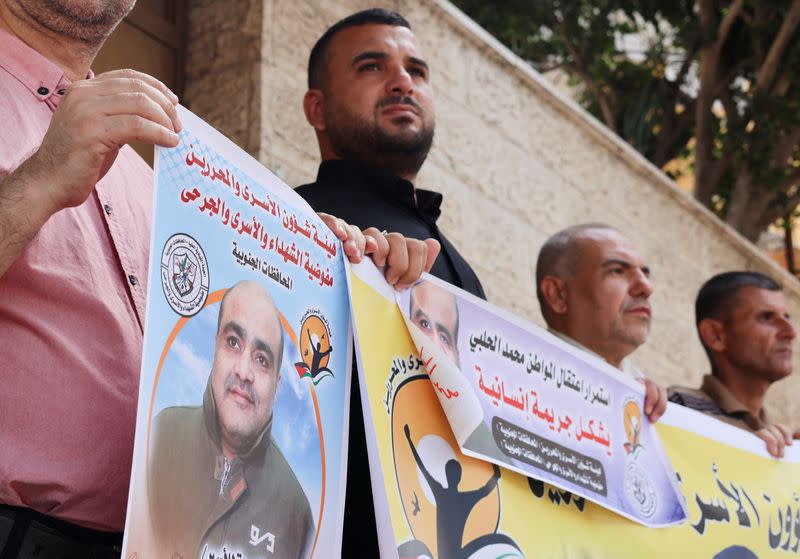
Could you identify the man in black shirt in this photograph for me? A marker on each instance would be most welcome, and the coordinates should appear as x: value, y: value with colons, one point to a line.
x: 370, y: 102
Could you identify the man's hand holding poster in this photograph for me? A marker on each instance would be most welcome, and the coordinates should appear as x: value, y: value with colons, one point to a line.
x: 241, y: 434
x: 435, y: 498
x: 530, y: 402
x: 487, y: 437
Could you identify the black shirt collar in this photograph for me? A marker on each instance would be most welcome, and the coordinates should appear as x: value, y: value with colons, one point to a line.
x: 371, y: 181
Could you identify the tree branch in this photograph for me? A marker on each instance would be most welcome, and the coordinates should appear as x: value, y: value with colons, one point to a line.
x: 791, y: 179
x: 782, y: 83
x: 766, y: 73
x: 730, y: 107
x: 679, y: 124
x: 580, y: 68
x: 687, y: 63
x: 747, y: 18
x: 722, y: 164
x: 728, y: 21
x: 706, y: 175
x: 785, y: 147
x: 776, y: 207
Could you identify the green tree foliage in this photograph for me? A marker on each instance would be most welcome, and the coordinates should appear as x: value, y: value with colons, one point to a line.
x: 717, y: 82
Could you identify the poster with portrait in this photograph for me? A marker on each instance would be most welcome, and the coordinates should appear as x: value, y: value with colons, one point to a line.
x: 240, y: 443
x: 434, y: 501
x: 522, y: 398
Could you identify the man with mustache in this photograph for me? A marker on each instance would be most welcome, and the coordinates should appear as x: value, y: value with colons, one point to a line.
x: 215, y: 471
x: 746, y: 331
x: 75, y: 209
x: 75, y: 213
x: 594, y: 291
x: 370, y: 103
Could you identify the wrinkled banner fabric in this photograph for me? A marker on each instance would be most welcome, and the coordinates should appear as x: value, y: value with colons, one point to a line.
x: 434, y: 499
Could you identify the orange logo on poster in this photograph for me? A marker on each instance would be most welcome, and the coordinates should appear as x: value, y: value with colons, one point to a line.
x: 315, y: 348
x: 632, y: 419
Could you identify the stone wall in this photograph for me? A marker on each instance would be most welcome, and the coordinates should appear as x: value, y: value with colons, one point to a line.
x: 223, y: 69
x: 516, y: 161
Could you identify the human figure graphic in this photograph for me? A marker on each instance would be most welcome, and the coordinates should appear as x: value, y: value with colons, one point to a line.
x: 318, y: 356
x: 452, y: 506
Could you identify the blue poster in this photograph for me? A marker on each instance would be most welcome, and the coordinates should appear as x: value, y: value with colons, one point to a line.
x: 241, y: 430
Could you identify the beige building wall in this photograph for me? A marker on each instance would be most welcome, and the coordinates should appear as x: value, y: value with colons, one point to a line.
x: 515, y: 159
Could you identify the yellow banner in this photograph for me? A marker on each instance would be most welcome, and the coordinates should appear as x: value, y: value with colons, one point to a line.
x: 443, y: 504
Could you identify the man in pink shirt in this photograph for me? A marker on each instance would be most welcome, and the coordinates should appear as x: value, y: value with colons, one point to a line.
x: 75, y: 205
x: 75, y: 212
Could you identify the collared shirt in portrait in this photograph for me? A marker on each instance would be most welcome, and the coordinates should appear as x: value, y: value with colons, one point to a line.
x: 71, y: 315
x: 714, y: 399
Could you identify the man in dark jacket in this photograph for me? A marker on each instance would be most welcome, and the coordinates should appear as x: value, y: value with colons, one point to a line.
x: 370, y: 102
x: 217, y: 481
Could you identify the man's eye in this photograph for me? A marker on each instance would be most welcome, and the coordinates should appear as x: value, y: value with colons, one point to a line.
x: 368, y: 67
x: 262, y: 361
x: 445, y: 339
x: 417, y: 72
x: 233, y: 341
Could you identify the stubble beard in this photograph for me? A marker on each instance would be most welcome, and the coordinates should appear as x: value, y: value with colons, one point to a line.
x: 88, y: 25
x: 771, y: 369
x: 355, y: 139
x: 631, y: 336
x: 244, y: 430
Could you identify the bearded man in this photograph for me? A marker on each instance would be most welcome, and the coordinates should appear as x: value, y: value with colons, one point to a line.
x: 370, y: 103
x: 75, y: 215
x: 216, y: 475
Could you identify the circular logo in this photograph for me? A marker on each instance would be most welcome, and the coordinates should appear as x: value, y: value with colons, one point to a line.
x: 184, y: 274
x: 424, y: 447
x: 639, y: 492
x: 315, y: 348
x: 632, y: 420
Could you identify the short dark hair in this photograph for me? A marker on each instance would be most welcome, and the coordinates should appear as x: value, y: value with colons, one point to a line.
x: 373, y: 16
x: 717, y: 293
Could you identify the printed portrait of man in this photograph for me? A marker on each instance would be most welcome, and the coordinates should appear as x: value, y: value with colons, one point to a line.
x: 435, y: 312
x: 217, y: 481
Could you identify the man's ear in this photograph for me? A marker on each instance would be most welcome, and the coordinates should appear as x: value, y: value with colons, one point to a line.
x: 313, y: 107
x: 712, y: 334
x: 554, y: 291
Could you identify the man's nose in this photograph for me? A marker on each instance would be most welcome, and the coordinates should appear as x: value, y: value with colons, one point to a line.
x: 788, y: 330
x: 400, y: 81
x: 244, y: 369
x: 642, y: 286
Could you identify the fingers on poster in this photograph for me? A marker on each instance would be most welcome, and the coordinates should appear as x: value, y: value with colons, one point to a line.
x: 239, y: 445
x: 544, y: 409
x: 425, y: 469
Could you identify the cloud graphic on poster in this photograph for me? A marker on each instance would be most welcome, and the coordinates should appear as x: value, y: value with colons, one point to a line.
x: 295, y: 438
x: 299, y: 387
x: 194, y: 368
